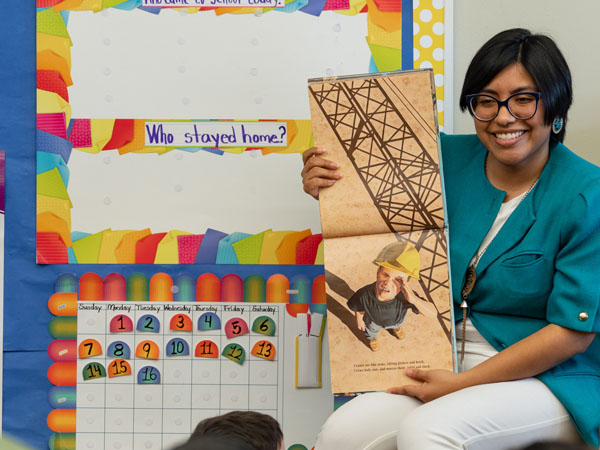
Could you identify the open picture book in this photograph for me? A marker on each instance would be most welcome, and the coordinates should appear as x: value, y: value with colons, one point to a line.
x: 384, y: 227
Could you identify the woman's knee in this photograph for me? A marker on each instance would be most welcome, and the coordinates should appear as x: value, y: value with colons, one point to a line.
x: 425, y: 429
x: 363, y: 420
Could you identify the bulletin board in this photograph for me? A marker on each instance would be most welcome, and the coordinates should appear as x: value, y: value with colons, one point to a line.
x: 138, y: 362
x: 90, y: 187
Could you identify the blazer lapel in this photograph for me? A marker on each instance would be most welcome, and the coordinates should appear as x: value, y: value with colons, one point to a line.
x: 517, y: 225
x: 474, y: 213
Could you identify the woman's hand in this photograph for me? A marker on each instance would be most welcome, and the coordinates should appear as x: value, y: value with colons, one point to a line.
x: 528, y: 357
x: 435, y: 384
x: 318, y: 172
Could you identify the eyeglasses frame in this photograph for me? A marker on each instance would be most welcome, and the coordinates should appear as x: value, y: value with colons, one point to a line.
x: 501, y: 103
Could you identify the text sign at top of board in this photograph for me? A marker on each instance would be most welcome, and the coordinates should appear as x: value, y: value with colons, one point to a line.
x: 216, y: 134
x: 219, y: 3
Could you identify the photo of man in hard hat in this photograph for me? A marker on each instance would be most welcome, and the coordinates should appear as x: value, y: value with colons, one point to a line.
x: 384, y: 303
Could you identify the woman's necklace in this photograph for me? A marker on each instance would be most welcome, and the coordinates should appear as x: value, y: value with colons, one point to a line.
x: 471, y: 274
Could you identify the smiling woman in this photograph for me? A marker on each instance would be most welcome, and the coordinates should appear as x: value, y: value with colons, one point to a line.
x: 523, y: 214
x: 515, y: 62
x: 518, y: 149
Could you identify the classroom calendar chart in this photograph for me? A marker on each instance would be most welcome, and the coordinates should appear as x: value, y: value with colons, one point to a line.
x: 140, y: 362
x: 148, y: 373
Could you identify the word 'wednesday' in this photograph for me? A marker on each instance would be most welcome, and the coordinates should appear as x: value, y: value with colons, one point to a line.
x: 216, y: 134
x: 219, y: 3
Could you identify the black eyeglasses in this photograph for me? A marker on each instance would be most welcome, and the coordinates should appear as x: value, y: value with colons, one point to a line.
x: 522, y: 105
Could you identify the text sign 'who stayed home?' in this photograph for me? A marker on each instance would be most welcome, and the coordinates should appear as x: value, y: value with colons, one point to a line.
x: 216, y: 134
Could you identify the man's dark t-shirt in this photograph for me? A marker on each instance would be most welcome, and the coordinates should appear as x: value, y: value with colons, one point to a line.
x: 385, y: 314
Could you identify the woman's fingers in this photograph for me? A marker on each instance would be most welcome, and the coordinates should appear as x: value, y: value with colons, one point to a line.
x: 407, y: 389
x: 313, y: 151
x: 312, y: 185
x: 321, y: 172
x: 417, y: 374
x: 318, y: 162
x: 318, y: 173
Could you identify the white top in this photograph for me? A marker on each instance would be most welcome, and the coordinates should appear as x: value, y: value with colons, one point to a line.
x: 506, y: 210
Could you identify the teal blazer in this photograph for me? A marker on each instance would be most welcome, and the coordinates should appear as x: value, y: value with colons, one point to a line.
x: 543, y: 266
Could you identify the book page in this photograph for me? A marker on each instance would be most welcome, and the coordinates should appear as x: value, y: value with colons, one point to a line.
x: 426, y: 341
x: 382, y: 132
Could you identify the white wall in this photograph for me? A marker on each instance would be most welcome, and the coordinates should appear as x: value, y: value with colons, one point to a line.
x: 573, y: 25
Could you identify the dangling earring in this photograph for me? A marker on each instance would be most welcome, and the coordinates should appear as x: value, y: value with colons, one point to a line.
x: 557, y: 125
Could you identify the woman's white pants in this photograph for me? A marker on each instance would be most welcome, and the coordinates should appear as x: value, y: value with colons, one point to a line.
x: 498, y: 416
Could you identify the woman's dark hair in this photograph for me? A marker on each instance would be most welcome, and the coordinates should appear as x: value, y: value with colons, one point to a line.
x: 539, y: 55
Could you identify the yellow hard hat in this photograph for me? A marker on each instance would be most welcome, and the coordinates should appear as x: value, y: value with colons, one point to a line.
x: 401, y: 256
